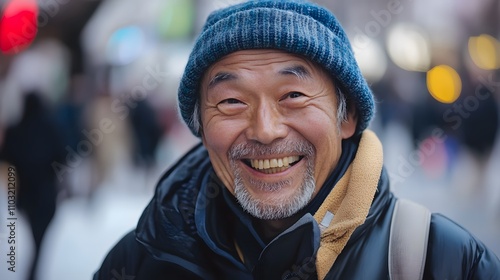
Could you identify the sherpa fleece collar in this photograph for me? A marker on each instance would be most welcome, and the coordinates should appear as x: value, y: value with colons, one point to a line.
x: 349, y: 201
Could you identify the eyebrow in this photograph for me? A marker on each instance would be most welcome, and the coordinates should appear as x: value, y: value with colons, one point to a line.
x: 297, y: 70
x: 221, y: 77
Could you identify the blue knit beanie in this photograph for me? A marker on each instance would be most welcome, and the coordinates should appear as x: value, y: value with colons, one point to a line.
x: 298, y: 27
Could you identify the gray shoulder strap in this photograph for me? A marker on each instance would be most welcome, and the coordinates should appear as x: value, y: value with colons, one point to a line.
x: 408, y: 240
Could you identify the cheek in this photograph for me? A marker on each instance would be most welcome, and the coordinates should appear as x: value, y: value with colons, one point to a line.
x: 316, y: 126
x: 326, y: 142
x: 219, y: 135
x: 217, y: 148
x: 328, y: 150
x: 322, y: 132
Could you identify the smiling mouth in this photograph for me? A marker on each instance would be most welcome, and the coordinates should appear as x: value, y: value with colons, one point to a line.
x: 271, y: 166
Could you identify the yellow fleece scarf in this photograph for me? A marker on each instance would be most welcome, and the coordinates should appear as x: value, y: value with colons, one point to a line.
x: 350, y: 200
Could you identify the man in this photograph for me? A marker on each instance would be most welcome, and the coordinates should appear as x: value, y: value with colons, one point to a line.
x: 274, y: 92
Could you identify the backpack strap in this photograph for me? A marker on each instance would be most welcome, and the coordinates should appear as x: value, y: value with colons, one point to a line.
x: 408, y: 240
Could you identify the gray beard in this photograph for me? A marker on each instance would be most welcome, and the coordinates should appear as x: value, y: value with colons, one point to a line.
x: 277, y: 208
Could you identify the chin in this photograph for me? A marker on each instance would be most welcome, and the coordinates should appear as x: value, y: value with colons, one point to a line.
x: 275, y: 201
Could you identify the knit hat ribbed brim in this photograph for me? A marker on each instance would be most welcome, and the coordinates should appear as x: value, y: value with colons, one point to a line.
x: 298, y: 27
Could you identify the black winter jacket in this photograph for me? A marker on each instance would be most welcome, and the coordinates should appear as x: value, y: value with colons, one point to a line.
x: 186, y: 233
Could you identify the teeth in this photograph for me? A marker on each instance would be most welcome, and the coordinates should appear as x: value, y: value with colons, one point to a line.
x: 275, y: 163
x: 274, y: 170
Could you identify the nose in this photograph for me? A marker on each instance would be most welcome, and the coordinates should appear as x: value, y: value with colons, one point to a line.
x: 266, y: 124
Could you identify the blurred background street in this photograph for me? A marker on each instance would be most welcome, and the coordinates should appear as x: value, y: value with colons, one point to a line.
x: 88, y: 114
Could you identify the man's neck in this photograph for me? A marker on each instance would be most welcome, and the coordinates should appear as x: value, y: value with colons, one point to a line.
x: 269, y: 229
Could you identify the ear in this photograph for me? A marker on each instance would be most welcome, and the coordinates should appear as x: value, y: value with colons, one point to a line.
x: 348, y: 127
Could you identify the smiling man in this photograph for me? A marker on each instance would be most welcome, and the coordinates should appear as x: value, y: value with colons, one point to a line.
x: 266, y: 116
x: 287, y: 183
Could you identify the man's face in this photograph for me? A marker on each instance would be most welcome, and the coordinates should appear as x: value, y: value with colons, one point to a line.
x: 270, y: 127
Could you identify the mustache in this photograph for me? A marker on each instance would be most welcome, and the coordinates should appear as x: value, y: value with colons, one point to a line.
x: 255, y: 149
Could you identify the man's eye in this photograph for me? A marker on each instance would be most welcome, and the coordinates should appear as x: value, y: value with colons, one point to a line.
x: 295, y: 94
x: 231, y: 106
x: 230, y: 101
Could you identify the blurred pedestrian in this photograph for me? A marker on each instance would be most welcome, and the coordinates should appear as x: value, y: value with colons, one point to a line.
x: 111, y: 149
x: 32, y: 146
x: 147, y: 134
x: 69, y: 114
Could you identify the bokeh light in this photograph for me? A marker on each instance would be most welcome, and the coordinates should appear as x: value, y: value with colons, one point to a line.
x: 18, y: 26
x: 125, y: 45
x: 408, y: 47
x: 444, y: 83
x: 485, y: 51
x: 176, y: 20
x: 371, y: 58
x: 436, y: 158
